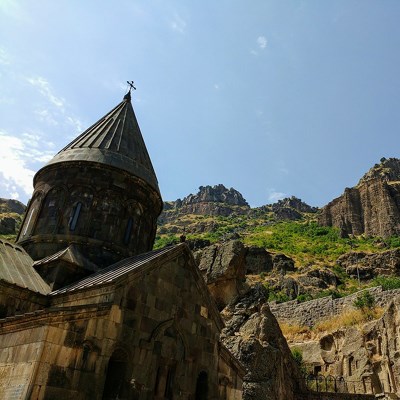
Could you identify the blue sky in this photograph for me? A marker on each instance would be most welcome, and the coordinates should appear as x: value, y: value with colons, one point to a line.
x: 273, y: 98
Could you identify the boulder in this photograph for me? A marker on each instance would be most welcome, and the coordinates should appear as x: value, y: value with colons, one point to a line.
x: 258, y: 260
x: 223, y: 268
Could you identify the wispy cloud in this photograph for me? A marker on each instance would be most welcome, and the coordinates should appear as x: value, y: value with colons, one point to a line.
x: 274, y: 196
x: 16, y: 155
x: 45, y: 90
x: 4, y: 57
x: 178, y: 24
x: 262, y: 42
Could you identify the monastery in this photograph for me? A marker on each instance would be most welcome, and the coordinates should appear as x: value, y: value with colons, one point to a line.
x: 87, y: 309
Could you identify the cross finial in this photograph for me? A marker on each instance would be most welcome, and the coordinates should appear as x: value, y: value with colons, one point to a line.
x: 127, y: 97
x: 131, y: 84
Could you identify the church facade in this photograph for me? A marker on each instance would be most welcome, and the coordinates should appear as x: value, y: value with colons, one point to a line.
x: 88, y: 310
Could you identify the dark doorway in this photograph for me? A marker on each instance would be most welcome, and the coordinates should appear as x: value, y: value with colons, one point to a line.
x: 202, y: 386
x: 115, y: 386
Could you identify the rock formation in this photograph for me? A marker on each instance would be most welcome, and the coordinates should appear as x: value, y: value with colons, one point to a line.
x: 11, y: 206
x: 10, y: 216
x: 372, y: 207
x: 252, y: 333
x: 223, y: 269
x: 209, y: 200
x: 367, y: 357
x: 368, y: 266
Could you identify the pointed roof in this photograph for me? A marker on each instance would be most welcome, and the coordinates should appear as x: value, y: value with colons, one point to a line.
x: 114, y: 140
x: 70, y: 254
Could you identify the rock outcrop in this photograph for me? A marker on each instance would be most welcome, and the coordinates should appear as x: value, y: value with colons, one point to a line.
x: 11, y: 206
x: 372, y: 207
x: 363, y: 266
x: 10, y: 216
x: 288, y: 209
x: 253, y: 335
x: 223, y: 269
x: 209, y: 200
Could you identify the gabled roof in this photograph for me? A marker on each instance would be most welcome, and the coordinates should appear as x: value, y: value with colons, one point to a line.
x: 144, y: 263
x: 16, y: 268
x: 113, y: 272
x: 72, y: 255
x: 114, y: 140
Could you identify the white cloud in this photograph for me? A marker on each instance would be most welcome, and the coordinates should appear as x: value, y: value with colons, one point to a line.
x: 216, y: 86
x: 262, y: 42
x: 178, y: 24
x: 274, y: 196
x: 76, y: 123
x: 16, y: 175
x: 253, y: 52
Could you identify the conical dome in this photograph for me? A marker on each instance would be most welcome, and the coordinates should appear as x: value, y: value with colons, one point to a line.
x: 99, y: 193
x: 114, y: 140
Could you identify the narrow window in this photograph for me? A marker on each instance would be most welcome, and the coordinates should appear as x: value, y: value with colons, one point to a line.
x: 27, y: 225
x: 74, y: 217
x: 128, y: 231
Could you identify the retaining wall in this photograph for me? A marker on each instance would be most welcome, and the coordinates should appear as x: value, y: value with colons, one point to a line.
x: 310, y: 312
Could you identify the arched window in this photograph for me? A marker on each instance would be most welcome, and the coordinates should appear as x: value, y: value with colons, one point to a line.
x: 50, y: 213
x: 73, y: 220
x: 202, y: 386
x: 128, y: 230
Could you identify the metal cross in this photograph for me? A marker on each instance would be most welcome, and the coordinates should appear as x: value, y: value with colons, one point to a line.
x: 131, y: 85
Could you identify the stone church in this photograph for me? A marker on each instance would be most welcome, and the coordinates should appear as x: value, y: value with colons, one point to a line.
x: 87, y: 309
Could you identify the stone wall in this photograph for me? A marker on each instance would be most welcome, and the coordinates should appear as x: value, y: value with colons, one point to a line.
x: 313, y: 311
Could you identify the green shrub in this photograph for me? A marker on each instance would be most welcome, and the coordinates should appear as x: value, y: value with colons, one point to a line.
x: 387, y: 282
x: 298, y: 358
x: 365, y: 300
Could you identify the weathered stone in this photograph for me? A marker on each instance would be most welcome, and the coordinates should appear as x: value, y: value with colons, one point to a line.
x: 254, y: 337
x: 367, y: 358
x: 367, y: 266
x: 258, y: 260
x: 283, y: 263
x: 372, y: 207
x: 223, y: 269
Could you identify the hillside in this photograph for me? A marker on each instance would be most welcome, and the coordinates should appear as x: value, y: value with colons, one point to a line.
x: 11, y: 212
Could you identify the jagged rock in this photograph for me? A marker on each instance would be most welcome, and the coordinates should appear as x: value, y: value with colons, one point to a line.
x: 216, y: 194
x: 294, y: 203
x: 258, y: 260
x: 372, y: 207
x: 253, y: 335
x: 368, y: 266
x: 223, y: 268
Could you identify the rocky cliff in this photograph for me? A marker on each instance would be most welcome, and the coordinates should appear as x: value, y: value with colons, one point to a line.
x: 209, y: 200
x: 372, y: 207
x: 10, y: 216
